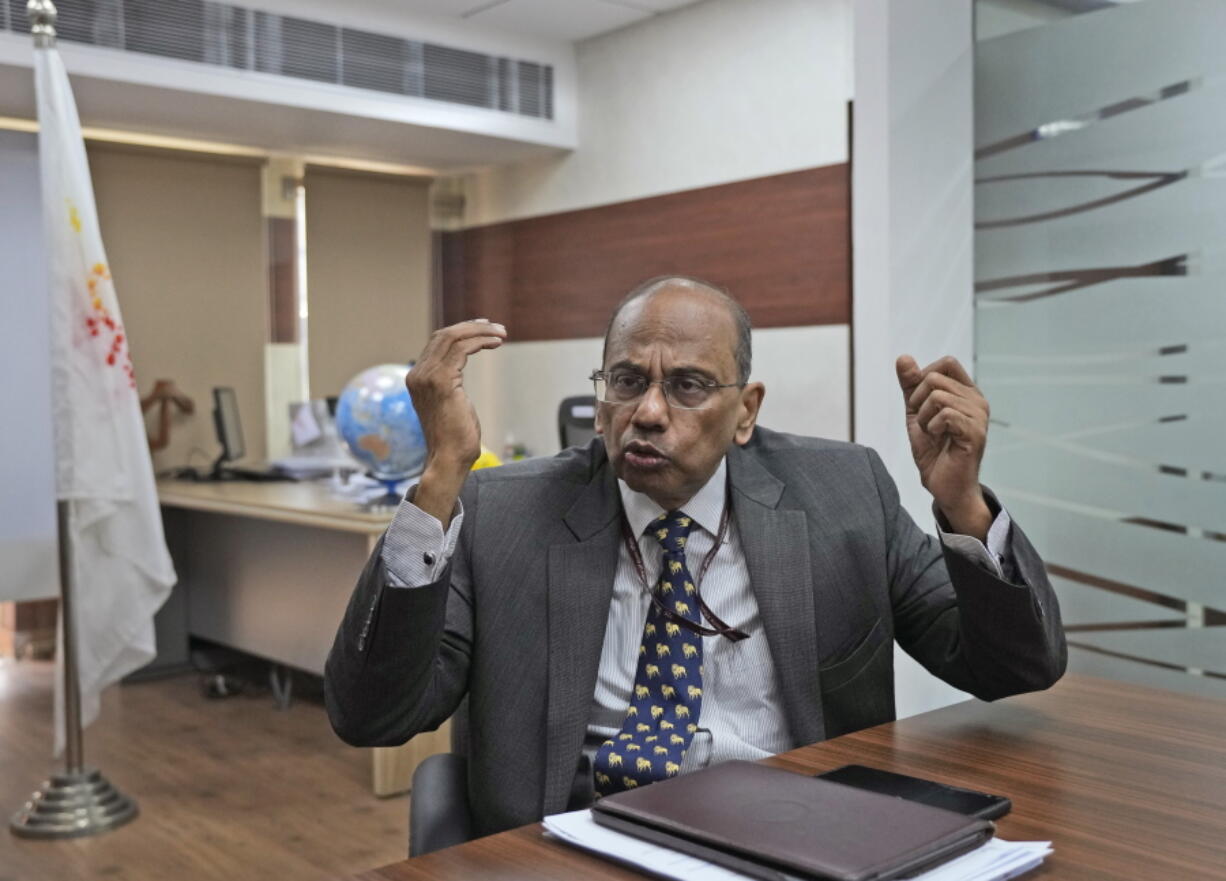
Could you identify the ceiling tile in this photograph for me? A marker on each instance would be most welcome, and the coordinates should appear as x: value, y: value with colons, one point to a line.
x: 558, y: 19
x: 448, y: 8
x: 652, y: 5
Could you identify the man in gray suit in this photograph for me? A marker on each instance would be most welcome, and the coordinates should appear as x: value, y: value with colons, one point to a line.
x: 686, y: 589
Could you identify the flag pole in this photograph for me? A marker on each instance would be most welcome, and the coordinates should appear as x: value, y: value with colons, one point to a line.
x: 79, y: 801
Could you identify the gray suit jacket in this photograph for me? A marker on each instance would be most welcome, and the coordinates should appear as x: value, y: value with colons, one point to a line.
x: 838, y: 568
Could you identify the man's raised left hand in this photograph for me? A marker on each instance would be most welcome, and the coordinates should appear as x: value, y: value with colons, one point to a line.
x: 947, y: 424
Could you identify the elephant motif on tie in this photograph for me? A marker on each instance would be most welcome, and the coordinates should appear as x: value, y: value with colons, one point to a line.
x: 676, y: 738
x: 603, y: 779
x: 656, y: 711
x: 666, y: 725
x: 678, y: 671
x: 633, y: 748
x: 652, y: 670
x: 681, y: 607
x: 674, y: 566
x: 668, y: 691
x: 672, y: 629
x: 694, y: 692
x: 615, y: 761
x: 671, y: 768
x: 683, y: 712
x: 662, y: 650
x: 642, y: 765
x: 660, y: 750
x: 641, y: 691
x: 689, y: 650
x: 629, y: 782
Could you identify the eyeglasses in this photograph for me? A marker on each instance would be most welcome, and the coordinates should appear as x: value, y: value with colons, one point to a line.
x: 684, y: 391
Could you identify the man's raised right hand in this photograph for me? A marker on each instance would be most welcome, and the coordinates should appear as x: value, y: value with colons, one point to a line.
x: 448, y: 419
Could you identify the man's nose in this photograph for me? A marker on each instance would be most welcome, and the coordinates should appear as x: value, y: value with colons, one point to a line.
x: 652, y: 409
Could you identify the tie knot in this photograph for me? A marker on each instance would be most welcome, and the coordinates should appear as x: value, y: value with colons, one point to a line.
x: 671, y: 530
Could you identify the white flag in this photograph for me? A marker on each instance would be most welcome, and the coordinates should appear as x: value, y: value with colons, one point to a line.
x: 122, y: 572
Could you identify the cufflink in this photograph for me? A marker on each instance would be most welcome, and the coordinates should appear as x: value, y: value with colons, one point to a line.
x: 427, y: 558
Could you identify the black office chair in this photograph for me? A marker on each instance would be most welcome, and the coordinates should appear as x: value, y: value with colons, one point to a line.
x: 439, y: 814
x: 439, y: 811
x: 576, y: 420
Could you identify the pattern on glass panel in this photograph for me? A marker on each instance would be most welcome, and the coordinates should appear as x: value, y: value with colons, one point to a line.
x: 1100, y: 295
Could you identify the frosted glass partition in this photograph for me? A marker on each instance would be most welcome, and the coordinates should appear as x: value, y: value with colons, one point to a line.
x: 1100, y: 290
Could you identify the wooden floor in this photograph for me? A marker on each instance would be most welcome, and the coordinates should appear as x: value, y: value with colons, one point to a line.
x: 228, y: 789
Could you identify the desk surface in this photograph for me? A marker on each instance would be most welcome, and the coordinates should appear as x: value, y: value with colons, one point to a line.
x: 1127, y: 782
x: 307, y: 503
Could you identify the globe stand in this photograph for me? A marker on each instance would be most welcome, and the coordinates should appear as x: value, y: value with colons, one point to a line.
x: 391, y: 498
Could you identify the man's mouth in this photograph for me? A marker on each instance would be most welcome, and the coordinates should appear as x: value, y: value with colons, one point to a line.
x: 640, y: 454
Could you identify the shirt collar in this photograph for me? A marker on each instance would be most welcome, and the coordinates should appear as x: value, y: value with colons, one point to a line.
x: 705, y: 509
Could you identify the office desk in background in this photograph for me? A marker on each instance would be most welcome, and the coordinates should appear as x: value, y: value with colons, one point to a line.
x: 267, y: 568
x: 1129, y: 784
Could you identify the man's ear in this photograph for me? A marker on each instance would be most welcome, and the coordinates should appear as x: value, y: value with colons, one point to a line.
x: 747, y: 414
x: 600, y: 413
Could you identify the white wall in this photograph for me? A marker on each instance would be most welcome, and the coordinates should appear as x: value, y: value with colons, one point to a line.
x: 912, y: 215
x: 995, y: 18
x: 720, y: 91
x: 28, y: 564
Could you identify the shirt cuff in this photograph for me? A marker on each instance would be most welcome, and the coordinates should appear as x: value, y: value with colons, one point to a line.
x: 415, y: 550
x: 991, y: 557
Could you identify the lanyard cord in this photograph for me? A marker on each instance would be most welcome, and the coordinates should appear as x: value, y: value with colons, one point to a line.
x: 720, y: 628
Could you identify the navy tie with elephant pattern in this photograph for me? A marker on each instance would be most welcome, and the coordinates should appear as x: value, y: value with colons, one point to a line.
x: 663, y: 713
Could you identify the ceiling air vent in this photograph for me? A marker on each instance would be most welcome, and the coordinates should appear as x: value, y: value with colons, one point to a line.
x: 244, y: 39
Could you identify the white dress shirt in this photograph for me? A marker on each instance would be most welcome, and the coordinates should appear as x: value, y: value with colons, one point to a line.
x: 742, y: 710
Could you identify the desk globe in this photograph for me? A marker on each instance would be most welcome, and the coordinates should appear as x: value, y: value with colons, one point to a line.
x: 376, y: 419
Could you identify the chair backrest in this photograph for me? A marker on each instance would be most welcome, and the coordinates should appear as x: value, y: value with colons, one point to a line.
x: 576, y: 420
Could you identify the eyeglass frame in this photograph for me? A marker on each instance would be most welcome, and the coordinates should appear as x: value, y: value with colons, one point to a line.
x: 603, y: 376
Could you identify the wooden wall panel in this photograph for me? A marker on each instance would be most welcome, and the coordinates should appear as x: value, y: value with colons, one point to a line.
x: 780, y: 244
x: 368, y: 273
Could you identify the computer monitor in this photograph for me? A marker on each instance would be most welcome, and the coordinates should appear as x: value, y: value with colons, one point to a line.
x: 229, y: 428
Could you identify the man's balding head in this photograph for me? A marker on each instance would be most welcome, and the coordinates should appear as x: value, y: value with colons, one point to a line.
x: 682, y: 284
x: 676, y: 333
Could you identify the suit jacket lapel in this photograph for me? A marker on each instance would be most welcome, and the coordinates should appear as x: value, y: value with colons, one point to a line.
x: 775, y: 542
x: 581, y: 577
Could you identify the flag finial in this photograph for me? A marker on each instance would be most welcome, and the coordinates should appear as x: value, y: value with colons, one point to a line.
x: 42, y: 16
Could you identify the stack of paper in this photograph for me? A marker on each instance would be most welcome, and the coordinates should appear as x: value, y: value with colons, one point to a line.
x: 995, y: 861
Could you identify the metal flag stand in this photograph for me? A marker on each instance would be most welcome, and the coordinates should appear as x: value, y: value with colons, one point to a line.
x: 79, y: 801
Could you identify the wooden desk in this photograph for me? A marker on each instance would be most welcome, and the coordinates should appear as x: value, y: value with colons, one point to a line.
x: 1129, y: 784
x: 267, y: 568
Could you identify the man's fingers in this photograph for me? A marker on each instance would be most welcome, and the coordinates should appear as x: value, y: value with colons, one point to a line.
x: 934, y: 381
x: 948, y: 421
x: 458, y: 353
x: 951, y: 367
x: 955, y: 424
x: 941, y: 400
x: 909, y: 377
x: 439, y: 348
x: 468, y: 329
